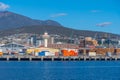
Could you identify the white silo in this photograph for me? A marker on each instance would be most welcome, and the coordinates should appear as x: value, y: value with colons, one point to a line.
x: 45, y: 37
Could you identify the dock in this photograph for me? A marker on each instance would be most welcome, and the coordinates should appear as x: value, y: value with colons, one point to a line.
x: 58, y: 58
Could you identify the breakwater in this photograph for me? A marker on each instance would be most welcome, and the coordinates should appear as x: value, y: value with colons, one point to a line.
x: 58, y: 58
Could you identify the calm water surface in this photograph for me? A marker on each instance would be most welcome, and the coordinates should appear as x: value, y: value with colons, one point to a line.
x: 83, y: 70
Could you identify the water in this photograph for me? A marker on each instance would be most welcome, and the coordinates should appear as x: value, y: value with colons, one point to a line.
x: 83, y: 70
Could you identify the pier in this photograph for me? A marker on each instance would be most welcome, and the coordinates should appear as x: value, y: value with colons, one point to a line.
x: 58, y: 58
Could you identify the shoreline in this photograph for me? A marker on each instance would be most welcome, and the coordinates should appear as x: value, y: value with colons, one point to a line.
x: 59, y: 58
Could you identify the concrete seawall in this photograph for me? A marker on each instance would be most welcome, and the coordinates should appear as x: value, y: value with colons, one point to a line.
x: 60, y: 58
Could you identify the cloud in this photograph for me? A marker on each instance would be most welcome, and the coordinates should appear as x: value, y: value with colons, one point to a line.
x: 95, y: 11
x: 104, y: 24
x: 3, y: 6
x: 58, y: 15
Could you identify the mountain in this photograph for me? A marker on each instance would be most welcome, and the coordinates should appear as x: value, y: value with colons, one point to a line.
x: 10, y: 20
x: 59, y: 30
x: 12, y: 23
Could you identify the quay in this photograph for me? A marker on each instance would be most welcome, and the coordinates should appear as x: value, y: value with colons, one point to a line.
x: 59, y: 58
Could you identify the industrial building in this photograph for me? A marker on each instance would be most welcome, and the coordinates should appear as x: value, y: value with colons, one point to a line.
x: 12, y: 47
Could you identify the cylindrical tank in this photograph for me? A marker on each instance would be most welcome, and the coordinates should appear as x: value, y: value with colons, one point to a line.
x: 65, y: 52
x: 73, y: 53
x: 69, y: 52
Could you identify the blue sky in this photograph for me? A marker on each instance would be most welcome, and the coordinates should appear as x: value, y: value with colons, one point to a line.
x: 95, y: 15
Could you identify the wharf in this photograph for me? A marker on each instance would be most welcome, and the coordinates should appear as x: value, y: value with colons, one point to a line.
x: 59, y: 58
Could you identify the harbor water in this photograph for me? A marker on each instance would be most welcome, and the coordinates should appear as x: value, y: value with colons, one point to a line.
x: 60, y: 70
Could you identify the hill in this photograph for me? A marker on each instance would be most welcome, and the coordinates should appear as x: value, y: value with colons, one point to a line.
x: 12, y: 23
x: 59, y: 30
x: 10, y: 20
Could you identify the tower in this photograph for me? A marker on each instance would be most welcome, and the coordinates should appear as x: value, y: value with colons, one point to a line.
x: 45, y: 37
x: 32, y: 40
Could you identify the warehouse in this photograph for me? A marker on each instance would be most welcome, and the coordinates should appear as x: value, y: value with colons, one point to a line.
x: 12, y: 47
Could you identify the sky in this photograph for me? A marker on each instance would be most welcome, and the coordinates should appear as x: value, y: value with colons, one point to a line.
x: 95, y: 15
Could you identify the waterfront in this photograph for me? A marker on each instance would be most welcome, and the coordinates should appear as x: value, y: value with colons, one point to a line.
x: 58, y: 70
x: 59, y: 58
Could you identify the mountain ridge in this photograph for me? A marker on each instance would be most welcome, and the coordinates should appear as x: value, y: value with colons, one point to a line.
x: 14, y: 20
x: 12, y: 23
x: 59, y: 30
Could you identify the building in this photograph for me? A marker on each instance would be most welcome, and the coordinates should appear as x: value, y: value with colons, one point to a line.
x: 12, y: 47
x: 46, y: 37
x: 39, y: 42
x: 32, y: 40
x: 88, y: 42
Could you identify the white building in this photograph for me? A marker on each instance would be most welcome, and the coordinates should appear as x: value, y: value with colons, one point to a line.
x: 12, y: 47
x: 46, y: 37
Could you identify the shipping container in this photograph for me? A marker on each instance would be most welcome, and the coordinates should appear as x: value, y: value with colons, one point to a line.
x: 36, y: 54
x: 29, y: 51
x: 42, y: 53
x: 56, y: 53
x: 92, y: 54
x: 49, y: 54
